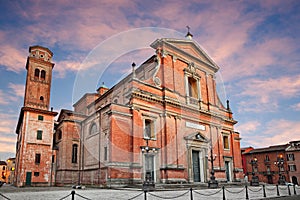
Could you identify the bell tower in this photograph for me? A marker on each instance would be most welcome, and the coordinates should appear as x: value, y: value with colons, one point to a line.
x: 35, y: 155
x: 39, y: 75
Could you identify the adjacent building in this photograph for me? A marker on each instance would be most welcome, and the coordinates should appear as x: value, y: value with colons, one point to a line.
x: 163, y: 122
x: 3, y: 170
x: 10, y: 170
x: 274, y: 164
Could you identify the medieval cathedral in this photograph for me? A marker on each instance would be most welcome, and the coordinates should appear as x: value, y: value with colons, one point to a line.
x: 163, y: 123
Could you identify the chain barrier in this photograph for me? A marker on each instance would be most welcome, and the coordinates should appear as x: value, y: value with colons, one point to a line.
x: 4, y: 196
x: 232, y: 192
x: 274, y: 188
x: 136, y: 196
x: 83, y: 196
x: 210, y: 194
x: 255, y: 190
x: 282, y: 188
x: 264, y: 188
x: 181, y: 195
x: 66, y: 196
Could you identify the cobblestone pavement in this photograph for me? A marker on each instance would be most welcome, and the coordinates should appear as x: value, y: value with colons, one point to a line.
x: 231, y: 193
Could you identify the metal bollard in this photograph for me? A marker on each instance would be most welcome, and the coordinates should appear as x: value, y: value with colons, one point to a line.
x: 73, y: 194
x: 289, y: 190
x: 247, y: 195
x: 277, y: 190
x: 264, y: 191
x: 223, y: 192
x: 191, y: 193
x: 295, y: 193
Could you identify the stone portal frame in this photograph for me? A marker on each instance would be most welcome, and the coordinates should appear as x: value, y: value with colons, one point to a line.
x: 229, y: 160
x: 200, y: 144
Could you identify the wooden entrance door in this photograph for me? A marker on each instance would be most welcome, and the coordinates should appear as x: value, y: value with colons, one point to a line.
x: 196, y: 166
x: 227, y: 170
x: 28, y: 178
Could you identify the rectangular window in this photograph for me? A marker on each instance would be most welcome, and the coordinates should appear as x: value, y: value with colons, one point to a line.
x: 53, y: 158
x: 149, y: 129
x: 36, y: 173
x: 290, y: 157
x: 41, y: 117
x: 74, y: 153
x: 39, y: 135
x: 193, y: 89
x: 226, y: 142
x: 105, y: 153
x: 37, y: 158
x: 292, y: 168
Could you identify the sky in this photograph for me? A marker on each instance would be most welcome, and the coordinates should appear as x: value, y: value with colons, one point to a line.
x: 255, y: 43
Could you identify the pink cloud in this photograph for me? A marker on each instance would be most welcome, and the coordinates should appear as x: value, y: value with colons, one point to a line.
x: 276, y: 132
x: 12, y: 58
x: 3, y: 98
x: 18, y: 89
x: 252, y: 60
x: 263, y: 95
x: 296, y: 107
x: 248, y: 127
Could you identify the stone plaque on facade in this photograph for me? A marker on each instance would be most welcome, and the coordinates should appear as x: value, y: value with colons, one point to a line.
x: 195, y: 126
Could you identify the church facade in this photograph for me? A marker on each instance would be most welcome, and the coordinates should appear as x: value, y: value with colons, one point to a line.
x: 164, y: 122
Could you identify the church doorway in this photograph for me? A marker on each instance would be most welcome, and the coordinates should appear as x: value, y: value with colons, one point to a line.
x: 149, y: 168
x: 197, y: 165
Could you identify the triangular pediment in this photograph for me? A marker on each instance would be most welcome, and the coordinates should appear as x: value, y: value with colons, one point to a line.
x: 188, y: 49
x: 197, y: 136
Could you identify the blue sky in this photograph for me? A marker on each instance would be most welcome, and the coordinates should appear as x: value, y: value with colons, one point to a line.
x: 255, y: 43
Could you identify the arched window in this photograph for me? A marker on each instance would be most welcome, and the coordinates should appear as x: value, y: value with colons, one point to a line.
x: 74, y: 153
x: 93, y: 129
x: 36, y: 73
x: 43, y: 74
x: 41, y: 98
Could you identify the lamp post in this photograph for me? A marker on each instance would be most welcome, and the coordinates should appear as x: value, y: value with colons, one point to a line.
x: 212, y: 183
x: 254, y: 181
x: 148, y: 182
x: 279, y: 163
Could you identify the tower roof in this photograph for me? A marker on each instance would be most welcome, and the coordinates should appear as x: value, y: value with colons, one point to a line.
x: 40, y: 47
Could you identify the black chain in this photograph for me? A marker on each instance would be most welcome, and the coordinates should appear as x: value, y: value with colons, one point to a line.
x: 65, y: 197
x: 136, y: 196
x: 207, y: 194
x: 83, y: 197
x: 271, y: 188
x: 255, y: 190
x: 169, y: 197
x: 235, y: 192
x: 4, y: 196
